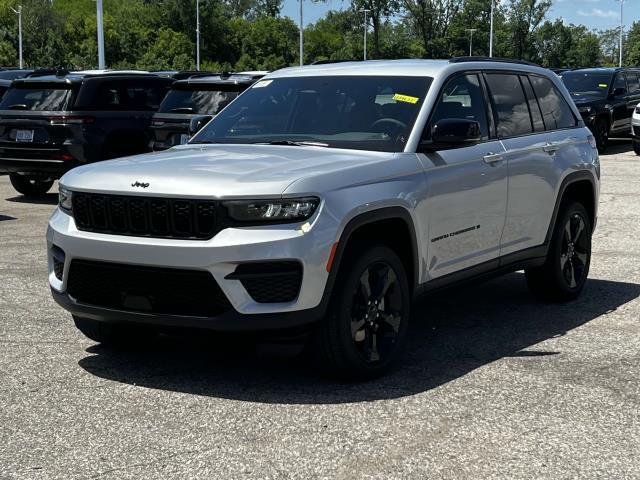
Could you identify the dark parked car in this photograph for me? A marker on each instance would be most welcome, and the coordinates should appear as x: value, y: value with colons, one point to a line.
x: 196, y: 95
x: 52, y: 123
x: 13, y: 73
x: 606, y: 99
x: 4, y: 86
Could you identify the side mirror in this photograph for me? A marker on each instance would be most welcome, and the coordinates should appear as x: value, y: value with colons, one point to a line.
x: 197, y: 123
x: 452, y: 133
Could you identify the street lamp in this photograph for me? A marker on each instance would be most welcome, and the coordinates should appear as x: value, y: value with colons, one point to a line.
x: 621, y: 29
x: 491, y: 30
x: 19, y: 13
x: 364, y: 49
x: 471, y: 30
x: 301, y: 34
x: 101, y: 64
x: 198, y: 35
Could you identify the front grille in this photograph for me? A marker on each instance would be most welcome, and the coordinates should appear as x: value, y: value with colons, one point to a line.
x: 270, y: 282
x: 145, y: 216
x: 146, y: 289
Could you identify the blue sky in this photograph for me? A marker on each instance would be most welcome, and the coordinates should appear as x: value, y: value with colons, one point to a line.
x: 595, y: 14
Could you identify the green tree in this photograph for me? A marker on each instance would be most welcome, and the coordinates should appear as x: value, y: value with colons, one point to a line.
x: 631, y: 46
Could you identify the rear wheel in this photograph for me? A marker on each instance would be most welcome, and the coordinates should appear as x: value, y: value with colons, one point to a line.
x: 567, y: 265
x: 30, y: 186
x: 113, y: 334
x: 601, y: 133
x: 365, y: 332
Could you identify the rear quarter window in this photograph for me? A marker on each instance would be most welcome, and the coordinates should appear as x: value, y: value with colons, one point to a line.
x: 556, y: 112
x: 510, y: 105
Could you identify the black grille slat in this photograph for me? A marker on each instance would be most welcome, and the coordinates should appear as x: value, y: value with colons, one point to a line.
x: 146, y: 289
x: 146, y: 217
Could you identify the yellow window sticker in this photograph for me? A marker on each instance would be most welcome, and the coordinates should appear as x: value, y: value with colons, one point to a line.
x: 603, y: 85
x: 405, y: 98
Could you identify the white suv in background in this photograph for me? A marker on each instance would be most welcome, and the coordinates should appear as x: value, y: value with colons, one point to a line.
x: 327, y: 198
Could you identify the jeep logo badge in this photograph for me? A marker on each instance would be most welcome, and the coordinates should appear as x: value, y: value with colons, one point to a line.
x: 141, y: 185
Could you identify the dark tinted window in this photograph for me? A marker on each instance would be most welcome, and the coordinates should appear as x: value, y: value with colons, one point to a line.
x: 534, y: 107
x: 587, y: 82
x: 127, y: 95
x: 2, y: 90
x: 633, y: 82
x: 358, y: 112
x: 462, y: 97
x: 510, y: 105
x: 618, y: 81
x: 51, y: 98
x: 555, y: 110
x: 207, y: 102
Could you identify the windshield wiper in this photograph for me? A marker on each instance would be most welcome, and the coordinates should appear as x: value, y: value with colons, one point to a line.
x: 292, y: 143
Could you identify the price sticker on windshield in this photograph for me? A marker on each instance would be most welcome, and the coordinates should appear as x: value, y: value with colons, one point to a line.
x: 398, y: 97
x: 603, y: 85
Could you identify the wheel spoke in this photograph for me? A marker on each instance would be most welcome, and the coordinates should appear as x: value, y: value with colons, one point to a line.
x: 356, y: 328
x: 373, y: 354
x: 365, y: 284
x: 578, y: 231
x: 572, y: 278
x: 567, y: 231
x: 393, y: 320
x: 582, y: 257
x: 385, y: 280
x: 563, y: 261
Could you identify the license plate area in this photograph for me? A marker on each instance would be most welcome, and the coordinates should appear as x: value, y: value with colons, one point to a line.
x: 24, y: 135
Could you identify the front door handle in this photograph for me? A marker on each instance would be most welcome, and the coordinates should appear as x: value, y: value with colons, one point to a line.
x: 551, y: 147
x: 491, y: 157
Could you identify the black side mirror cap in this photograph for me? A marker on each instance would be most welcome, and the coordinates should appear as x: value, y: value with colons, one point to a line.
x: 452, y: 133
x: 197, y: 123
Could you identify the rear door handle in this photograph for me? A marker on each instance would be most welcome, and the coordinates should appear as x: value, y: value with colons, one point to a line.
x: 491, y: 157
x: 551, y: 147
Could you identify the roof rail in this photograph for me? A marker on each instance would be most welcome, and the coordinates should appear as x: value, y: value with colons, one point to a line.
x: 324, y: 62
x: 491, y: 59
x: 41, y: 72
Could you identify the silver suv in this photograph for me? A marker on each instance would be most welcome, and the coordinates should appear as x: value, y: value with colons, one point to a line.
x: 329, y: 197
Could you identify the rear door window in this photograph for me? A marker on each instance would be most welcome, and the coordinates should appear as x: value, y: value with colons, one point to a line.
x: 510, y: 105
x: 633, y: 82
x: 133, y: 95
x: 534, y: 107
x: 556, y: 112
x: 38, y: 98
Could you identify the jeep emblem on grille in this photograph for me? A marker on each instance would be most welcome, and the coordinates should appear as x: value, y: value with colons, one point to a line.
x: 141, y: 185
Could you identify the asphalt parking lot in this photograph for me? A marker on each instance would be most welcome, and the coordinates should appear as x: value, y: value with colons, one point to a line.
x: 495, y: 384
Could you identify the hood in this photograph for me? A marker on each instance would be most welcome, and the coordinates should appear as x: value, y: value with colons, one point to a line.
x: 214, y: 171
x: 588, y: 98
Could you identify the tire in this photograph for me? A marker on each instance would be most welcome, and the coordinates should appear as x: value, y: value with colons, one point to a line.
x: 601, y: 134
x: 113, y: 334
x: 636, y: 146
x: 566, y: 268
x: 365, y: 331
x: 30, y: 186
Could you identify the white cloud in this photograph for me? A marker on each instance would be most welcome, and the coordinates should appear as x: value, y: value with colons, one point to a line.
x: 597, y: 12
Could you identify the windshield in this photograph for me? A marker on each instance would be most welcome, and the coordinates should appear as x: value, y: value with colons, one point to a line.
x: 592, y: 83
x: 41, y: 99
x: 207, y: 102
x: 357, y: 112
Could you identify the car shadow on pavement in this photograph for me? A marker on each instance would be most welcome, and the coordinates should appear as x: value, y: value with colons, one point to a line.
x: 453, y: 333
x: 47, y: 199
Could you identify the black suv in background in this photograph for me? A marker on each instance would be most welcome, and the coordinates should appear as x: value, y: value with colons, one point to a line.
x: 52, y: 123
x: 196, y: 95
x: 606, y: 98
x: 8, y: 75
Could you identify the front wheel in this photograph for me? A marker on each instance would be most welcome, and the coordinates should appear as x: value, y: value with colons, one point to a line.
x: 30, y: 186
x: 636, y: 146
x: 365, y: 332
x: 565, y: 270
x: 601, y: 134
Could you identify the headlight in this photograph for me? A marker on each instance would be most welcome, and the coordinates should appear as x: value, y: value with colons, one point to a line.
x: 272, y: 211
x: 585, y: 109
x: 64, y: 199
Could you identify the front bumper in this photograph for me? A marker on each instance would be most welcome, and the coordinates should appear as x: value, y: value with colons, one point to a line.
x: 219, y: 256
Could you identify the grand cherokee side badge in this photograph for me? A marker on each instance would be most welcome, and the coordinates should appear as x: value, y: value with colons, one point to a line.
x: 141, y: 185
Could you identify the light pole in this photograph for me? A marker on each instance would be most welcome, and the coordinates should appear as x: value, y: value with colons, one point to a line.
x: 491, y: 30
x: 19, y: 13
x: 301, y: 34
x: 364, y: 49
x: 471, y: 30
x: 198, y: 35
x: 101, y: 64
x: 621, y: 29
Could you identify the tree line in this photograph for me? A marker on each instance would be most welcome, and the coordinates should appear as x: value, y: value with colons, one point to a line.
x: 252, y: 34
